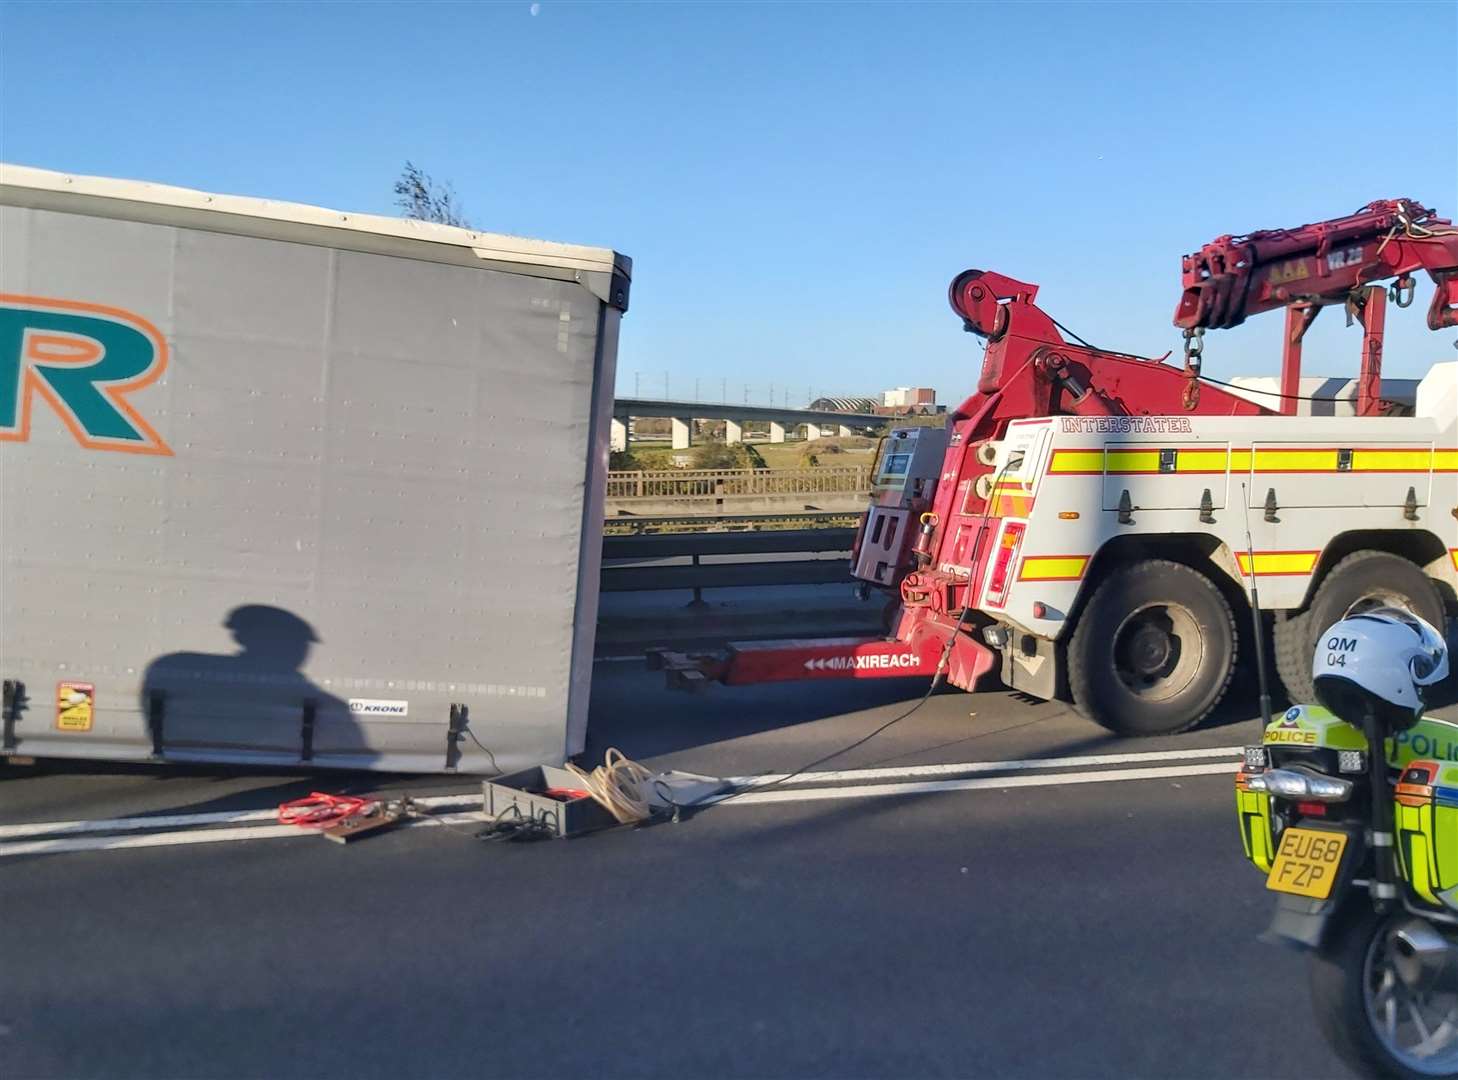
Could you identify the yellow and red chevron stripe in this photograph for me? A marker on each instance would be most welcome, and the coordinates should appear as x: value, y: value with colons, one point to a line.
x: 1279, y: 563
x: 1011, y: 500
x: 1453, y: 554
x: 1053, y: 567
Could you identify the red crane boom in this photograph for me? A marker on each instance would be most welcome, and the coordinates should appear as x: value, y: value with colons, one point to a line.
x: 1329, y: 262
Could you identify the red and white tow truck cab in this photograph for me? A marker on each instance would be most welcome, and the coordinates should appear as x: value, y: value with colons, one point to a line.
x: 1080, y: 525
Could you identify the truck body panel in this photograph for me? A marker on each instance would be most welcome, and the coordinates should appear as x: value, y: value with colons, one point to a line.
x: 1328, y: 476
x: 354, y: 492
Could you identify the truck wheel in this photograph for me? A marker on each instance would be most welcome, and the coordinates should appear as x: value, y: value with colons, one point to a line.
x: 1154, y: 650
x: 1293, y: 655
x: 1362, y: 580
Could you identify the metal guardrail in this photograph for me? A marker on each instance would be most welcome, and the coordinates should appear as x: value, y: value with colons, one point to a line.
x: 630, y: 563
x: 711, y: 524
x: 786, y: 541
x: 623, y: 486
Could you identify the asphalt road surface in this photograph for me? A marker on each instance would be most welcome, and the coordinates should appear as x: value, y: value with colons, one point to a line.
x: 1033, y: 918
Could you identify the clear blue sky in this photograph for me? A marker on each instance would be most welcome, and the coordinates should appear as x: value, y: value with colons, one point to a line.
x: 796, y: 183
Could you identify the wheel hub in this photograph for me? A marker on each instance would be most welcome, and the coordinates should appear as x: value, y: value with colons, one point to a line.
x: 1149, y: 649
x: 1157, y: 650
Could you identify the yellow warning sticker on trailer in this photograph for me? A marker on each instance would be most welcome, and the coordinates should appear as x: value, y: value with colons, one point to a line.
x: 75, y: 706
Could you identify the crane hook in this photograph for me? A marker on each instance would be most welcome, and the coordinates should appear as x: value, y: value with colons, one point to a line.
x: 1194, y: 361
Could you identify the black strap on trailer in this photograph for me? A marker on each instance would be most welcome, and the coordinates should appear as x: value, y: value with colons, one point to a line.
x: 14, y: 699
x: 155, y: 708
x: 455, y: 733
x: 306, y: 730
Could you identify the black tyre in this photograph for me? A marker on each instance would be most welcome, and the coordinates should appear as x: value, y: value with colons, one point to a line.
x: 1293, y: 650
x: 1375, y: 1021
x: 1362, y: 580
x: 1154, y: 651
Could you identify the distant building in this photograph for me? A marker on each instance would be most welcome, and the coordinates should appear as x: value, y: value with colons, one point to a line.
x: 910, y: 401
x: 845, y: 404
x: 903, y: 401
x: 903, y: 396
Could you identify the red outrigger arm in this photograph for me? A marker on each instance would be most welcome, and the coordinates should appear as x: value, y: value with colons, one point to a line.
x: 742, y: 663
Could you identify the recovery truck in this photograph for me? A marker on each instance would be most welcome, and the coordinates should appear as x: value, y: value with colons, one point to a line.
x: 1080, y: 525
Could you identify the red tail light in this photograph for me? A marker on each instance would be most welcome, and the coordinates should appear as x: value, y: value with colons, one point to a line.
x: 1003, y: 561
x: 1311, y: 809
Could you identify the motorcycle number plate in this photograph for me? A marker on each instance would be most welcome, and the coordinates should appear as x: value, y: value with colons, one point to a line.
x: 1307, y: 861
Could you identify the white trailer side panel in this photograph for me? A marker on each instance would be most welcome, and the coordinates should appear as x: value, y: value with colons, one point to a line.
x: 356, y: 481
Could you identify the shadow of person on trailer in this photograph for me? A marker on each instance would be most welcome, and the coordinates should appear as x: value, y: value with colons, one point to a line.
x: 255, y: 705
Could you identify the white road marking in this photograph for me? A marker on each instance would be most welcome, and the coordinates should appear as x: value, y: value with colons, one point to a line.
x: 193, y: 836
x: 178, y: 821
x: 55, y: 837
x: 909, y: 772
x: 871, y: 791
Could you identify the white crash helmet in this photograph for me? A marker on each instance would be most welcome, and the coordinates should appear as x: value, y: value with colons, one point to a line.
x: 1381, y: 660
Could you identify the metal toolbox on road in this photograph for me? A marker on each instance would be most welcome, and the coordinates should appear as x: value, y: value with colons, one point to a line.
x: 519, y: 796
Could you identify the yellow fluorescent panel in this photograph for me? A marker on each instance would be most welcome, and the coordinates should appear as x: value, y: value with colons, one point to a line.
x: 1123, y: 461
x: 1279, y: 562
x: 1077, y: 461
x: 1392, y: 460
x: 1053, y: 567
x: 1200, y: 461
x: 1295, y: 460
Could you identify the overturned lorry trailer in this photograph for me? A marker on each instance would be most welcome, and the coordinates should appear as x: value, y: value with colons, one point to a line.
x: 287, y: 486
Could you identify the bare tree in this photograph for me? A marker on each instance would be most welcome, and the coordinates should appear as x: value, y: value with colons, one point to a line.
x: 420, y: 197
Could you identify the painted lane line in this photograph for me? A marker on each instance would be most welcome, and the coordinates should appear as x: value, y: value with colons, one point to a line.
x: 871, y: 791
x: 176, y: 821
x: 909, y: 772
x: 195, y: 836
x: 56, y: 846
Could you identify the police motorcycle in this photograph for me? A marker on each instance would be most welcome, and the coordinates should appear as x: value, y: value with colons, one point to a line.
x: 1361, y: 848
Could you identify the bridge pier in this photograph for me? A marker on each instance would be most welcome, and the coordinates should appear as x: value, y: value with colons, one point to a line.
x: 812, y: 431
x: 683, y: 431
x: 618, y: 435
x: 845, y: 432
x: 777, y: 431
x: 733, y: 432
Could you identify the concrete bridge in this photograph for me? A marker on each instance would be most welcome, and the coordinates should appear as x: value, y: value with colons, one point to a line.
x: 781, y: 421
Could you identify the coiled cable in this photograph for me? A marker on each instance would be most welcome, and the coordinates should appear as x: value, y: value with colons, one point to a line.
x: 619, y: 784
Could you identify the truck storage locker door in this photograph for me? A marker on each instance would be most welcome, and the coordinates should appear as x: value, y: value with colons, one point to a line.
x: 1166, y: 476
x: 1324, y: 474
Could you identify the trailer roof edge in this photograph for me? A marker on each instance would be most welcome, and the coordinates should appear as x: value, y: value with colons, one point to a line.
x: 495, y: 247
